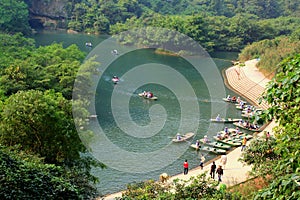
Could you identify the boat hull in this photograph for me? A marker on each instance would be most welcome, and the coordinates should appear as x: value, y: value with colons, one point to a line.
x: 223, y: 120
x: 152, y: 98
x: 216, y: 145
x: 234, y: 143
x: 185, y: 137
x: 209, y: 149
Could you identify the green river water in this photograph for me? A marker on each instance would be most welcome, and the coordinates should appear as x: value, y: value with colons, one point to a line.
x: 143, y: 112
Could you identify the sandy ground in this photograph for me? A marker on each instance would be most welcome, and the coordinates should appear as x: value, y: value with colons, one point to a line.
x: 235, y: 172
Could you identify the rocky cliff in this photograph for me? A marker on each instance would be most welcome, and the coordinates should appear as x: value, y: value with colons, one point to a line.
x: 48, y: 13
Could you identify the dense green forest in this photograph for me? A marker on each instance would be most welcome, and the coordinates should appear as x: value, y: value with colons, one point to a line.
x: 36, y: 118
x: 41, y: 159
x: 217, y: 25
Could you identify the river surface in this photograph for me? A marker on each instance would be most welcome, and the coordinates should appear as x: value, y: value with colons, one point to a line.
x: 167, y: 111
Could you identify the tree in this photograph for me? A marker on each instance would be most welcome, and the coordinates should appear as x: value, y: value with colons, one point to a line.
x: 25, y: 176
x: 42, y: 123
x: 14, y: 16
x: 283, y: 94
x: 199, y: 187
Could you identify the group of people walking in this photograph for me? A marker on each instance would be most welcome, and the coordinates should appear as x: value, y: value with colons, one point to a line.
x: 213, y: 168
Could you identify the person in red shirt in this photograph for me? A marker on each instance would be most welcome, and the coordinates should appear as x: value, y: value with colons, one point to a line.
x: 185, y: 167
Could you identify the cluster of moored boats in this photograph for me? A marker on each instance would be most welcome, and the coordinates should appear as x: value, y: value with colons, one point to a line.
x: 229, y: 137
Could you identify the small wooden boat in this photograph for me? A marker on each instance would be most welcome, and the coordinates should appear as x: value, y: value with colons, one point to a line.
x: 236, y: 134
x: 227, y: 120
x: 145, y: 96
x: 209, y: 149
x: 183, y: 137
x: 239, y: 107
x: 115, y: 52
x: 93, y: 116
x: 216, y: 144
x: 115, y: 79
x: 248, y: 115
x: 88, y: 44
x: 243, y: 127
x: 228, y: 100
x: 231, y: 142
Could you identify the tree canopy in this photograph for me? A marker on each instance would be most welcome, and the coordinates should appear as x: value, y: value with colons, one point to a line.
x: 14, y: 16
x: 279, y: 157
x: 36, y: 118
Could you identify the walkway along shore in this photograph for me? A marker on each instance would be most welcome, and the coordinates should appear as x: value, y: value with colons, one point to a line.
x: 249, y: 83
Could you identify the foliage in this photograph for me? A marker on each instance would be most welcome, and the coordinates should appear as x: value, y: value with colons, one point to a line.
x: 249, y: 188
x: 260, y: 155
x: 96, y: 16
x: 14, y: 47
x: 228, y: 8
x: 215, y: 32
x: 50, y: 67
x: 41, y: 122
x: 25, y: 176
x: 14, y: 17
x: 199, y: 187
x: 270, y: 53
x: 283, y: 94
x: 36, y: 114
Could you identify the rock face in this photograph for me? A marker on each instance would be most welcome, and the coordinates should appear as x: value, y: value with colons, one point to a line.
x: 51, y: 14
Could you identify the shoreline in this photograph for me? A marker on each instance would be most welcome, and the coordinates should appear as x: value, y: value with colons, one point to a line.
x: 234, y: 171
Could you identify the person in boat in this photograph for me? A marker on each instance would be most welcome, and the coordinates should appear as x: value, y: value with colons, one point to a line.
x: 144, y: 93
x: 238, y: 131
x: 228, y: 98
x: 88, y: 44
x: 205, y: 139
x: 241, y: 122
x: 238, y: 100
x: 197, y: 144
x: 233, y: 98
x: 254, y: 126
x: 226, y: 130
x: 178, y: 136
x: 219, y: 136
x: 226, y: 135
x: 115, y: 79
x: 149, y: 95
x: 218, y: 118
x: 114, y: 52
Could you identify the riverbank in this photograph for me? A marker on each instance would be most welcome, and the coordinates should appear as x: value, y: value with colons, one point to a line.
x: 243, y: 80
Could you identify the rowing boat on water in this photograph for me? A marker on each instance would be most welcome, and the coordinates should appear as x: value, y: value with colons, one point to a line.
x: 228, y: 100
x: 216, y: 144
x: 231, y: 142
x: 150, y: 98
x: 183, y: 137
x: 209, y: 149
x: 234, y: 134
x: 243, y: 127
x: 227, y: 120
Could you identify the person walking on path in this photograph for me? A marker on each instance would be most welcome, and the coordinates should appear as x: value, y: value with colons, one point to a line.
x: 220, y: 173
x: 223, y: 160
x: 244, y: 142
x: 213, y: 170
x: 185, y: 167
x: 202, y: 159
x: 268, y: 136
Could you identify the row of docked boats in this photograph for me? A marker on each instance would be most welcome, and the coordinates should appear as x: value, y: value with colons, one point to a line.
x: 220, y: 144
x: 229, y: 137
